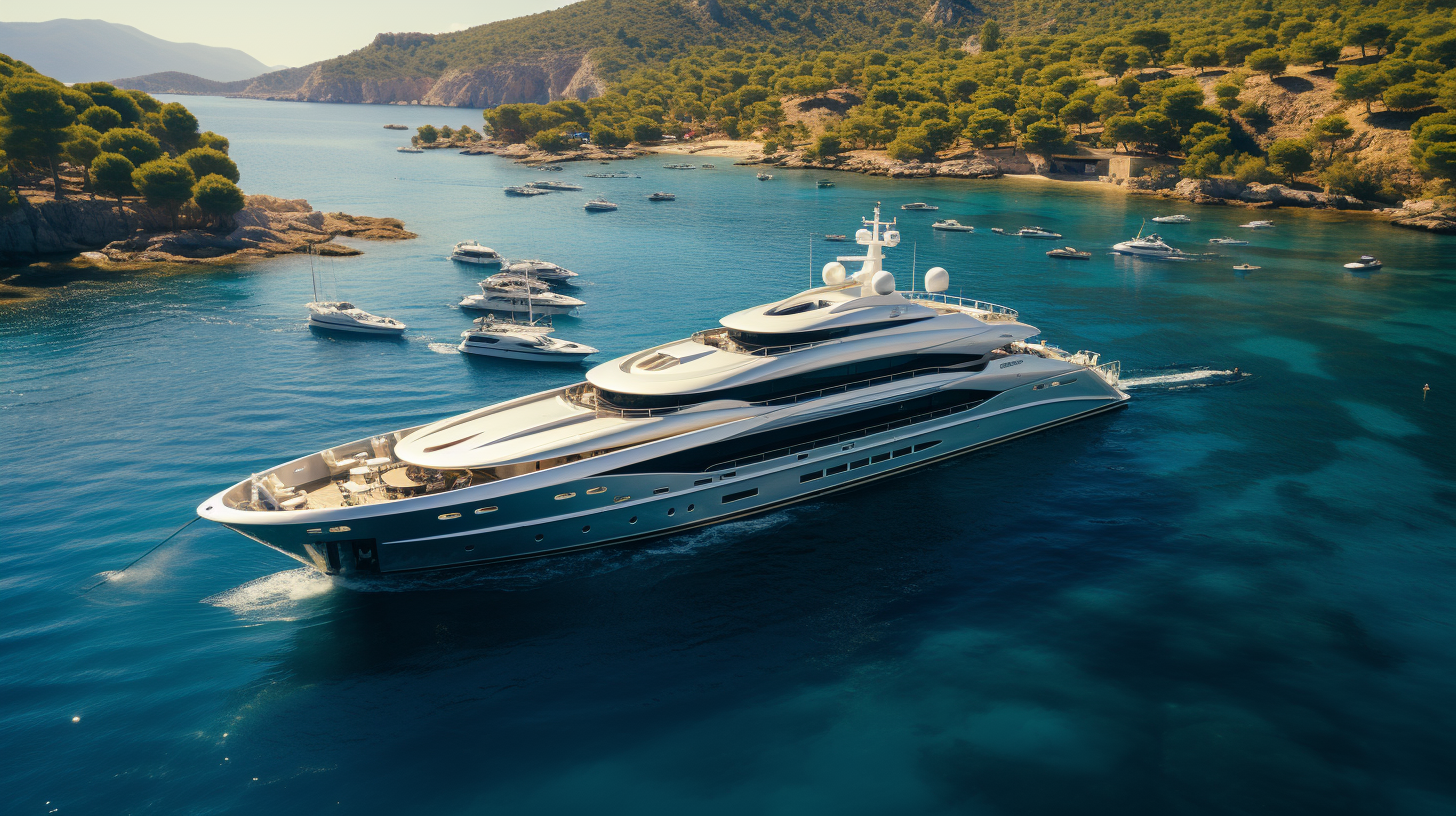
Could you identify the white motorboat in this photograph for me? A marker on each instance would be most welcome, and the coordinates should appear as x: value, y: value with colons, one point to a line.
x: 1228, y: 241
x: 681, y: 166
x: 1036, y: 232
x: 1365, y: 262
x: 408, y: 149
x: 474, y: 253
x: 1172, y: 219
x: 835, y: 387
x: 1245, y: 267
x: 340, y: 315
x: 525, y: 192
x: 1070, y: 253
x: 494, y: 337
x: 1258, y: 225
x: 554, y: 185
x: 611, y: 175
x: 920, y: 206
x: 823, y: 184
x: 662, y: 197
x: 395, y: 127
x: 520, y: 301
x: 513, y: 280
x: 541, y: 270
x: 600, y: 205
x: 951, y: 225
x: 765, y: 177
x: 1151, y: 246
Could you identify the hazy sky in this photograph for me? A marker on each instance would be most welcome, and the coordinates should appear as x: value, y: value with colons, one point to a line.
x: 281, y: 32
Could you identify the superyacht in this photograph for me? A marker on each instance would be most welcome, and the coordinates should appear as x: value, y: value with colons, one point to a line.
x: 822, y: 391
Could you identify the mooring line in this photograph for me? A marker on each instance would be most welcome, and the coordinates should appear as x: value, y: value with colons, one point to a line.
x: 143, y: 555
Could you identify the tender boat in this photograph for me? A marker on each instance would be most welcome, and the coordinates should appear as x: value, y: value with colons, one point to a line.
x: 1151, y: 246
x: 474, y: 253
x: 346, y: 317
x: 599, y: 205
x: 550, y: 168
x: 541, y: 270
x: 765, y: 177
x: 951, y: 225
x: 1172, y: 219
x: 554, y: 185
x: 662, y: 197
x: 680, y: 166
x: 836, y: 238
x: 1036, y: 232
x: 1258, y: 225
x: 610, y: 175
x: 409, y: 149
x: 1228, y: 241
x: 1365, y: 262
x: 1071, y: 253
x: 920, y: 206
x: 513, y: 340
x: 998, y: 230
x: 1243, y: 267
x: 834, y: 387
x: 707, y: 166
x: 392, y: 126
x: 823, y: 183
x: 520, y: 300
x: 525, y: 191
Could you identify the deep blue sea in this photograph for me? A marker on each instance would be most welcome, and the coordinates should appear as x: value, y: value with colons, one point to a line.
x: 1234, y: 597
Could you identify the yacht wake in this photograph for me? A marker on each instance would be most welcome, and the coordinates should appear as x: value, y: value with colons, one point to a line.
x: 444, y: 348
x: 276, y: 597
x: 1184, y: 379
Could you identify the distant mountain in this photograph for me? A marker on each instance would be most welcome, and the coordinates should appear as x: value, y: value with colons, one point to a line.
x: 90, y: 50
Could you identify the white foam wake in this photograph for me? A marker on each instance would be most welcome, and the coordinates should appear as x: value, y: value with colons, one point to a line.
x: 1171, y: 379
x: 276, y: 597
x: 444, y: 348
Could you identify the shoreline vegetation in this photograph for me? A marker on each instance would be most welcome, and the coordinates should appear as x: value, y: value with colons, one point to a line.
x: 95, y: 177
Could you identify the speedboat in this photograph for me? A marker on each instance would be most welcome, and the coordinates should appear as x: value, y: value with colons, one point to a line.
x: 1036, y: 232
x: 610, y: 175
x: 541, y: 270
x: 1071, y: 253
x: 681, y: 166
x: 952, y: 225
x: 823, y: 183
x: 919, y: 206
x: 836, y: 238
x: 1365, y: 262
x: 554, y: 185
x: 520, y: 300
x: 835, y: 387
x: 662, y: 197
x: 600, y: 205
x: 472, y: 252
x: 550, y: 168
x: 510, y: 281
x: 392, y: 126
x: 525, y: 191
x: 1258, y: 225
x: 707, y: 166
x: 1228, y: 241
x: 409, y: 149
x: 765, y: 177
x: 344, y: 316
x: 1244, y: 267
x: 998, y: 230
x: 1172, y: 219
x: 1150, y: 246
x: 514, y: 340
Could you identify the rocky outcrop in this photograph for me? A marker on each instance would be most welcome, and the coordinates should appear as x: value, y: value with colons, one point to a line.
x: 525, y: 154
x: 1283, y: 196
x: 267, y: 226
x: 1201, y: 190
x: 947, y: 12
x: 321, y: 88
x: 881, y: 165
x: 557, y: 76
x: 706, y: 10
x: 1424, y: 215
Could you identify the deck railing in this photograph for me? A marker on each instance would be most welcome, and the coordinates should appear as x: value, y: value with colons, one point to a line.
x: 993, y: 311
x: 1110, y: 372
x: 719, y: 339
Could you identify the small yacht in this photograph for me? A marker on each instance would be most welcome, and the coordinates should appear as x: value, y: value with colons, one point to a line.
x: 765, y: 177
x: 541, y: 270
x: 1228, y: 241
x: 998, y: 230
x: 554, y: 185
x: 472, y: 252
x: 525, y: 191
x: 1071, y: 253
x: 550, y: 168
x: 344, y: 316
x: 952, y: 225
x: 393, y: 126
x: 1172, y: 219
x: 1365, y: 262
x: 409, y: 149
x: 610, y: 175
x: 1036, y: 232
x: 1258, y: 225
x: 680, y: 166
x: 511, y: 281
x: 1151, y: 246
x: 919, y: 206
x: 514, y: 340
x: 836, y: 238
x: 1244, y: 267
x: 823, y: 183
x: 520, y: 301
x: 600, y: 205
x: 838, y: 386
x: 707, y: 166
x: 662, y: 197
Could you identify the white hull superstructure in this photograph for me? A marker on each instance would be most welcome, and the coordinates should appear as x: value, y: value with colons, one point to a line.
x: 826, y: 390
x: 1152, y: 246
x: 521, y: 301
x: 474, y: 253
x: 541, y: 270
x: 346, y: 317
x: 521, y: 341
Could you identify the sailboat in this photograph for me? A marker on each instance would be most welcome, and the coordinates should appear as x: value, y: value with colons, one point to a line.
x: 339, y: 315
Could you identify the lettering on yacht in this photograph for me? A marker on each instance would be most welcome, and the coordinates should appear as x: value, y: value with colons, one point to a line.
x: 1009, y: 363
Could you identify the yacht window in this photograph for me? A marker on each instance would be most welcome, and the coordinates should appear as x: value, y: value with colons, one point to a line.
x: 620, y: 499
x: 690, y: 508
x: 483, y: 510
x: 859, y: 463
x: 702, y: 482
x: 800, y: 308
x: 449, y: 516
x: 730, y: 474
x: 632, y: 520
x: 879, y: 457
x: 314, y: 531
x: 339, y: 529
x: 483, y: 338
x: 672, y: 511
x: 539, y: 536
x: 660, y: 491
x: 809, y: 477
x: 596, y: 490
x: 742, y: 494
x: 762, y: 339
x: 586, y: 529
x: 836, y: 469
x: 560, y: 496
x: 901, y: 452
x: 923, y: 445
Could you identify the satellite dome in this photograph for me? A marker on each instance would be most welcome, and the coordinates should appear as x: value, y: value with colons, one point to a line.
x: 862, y: 235
x: 892, y: 237
x: 883, y: 283
x: 937, y: 279
x: 833, y: 273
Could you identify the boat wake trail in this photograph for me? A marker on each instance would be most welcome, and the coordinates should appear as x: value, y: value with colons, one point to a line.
x: 444, y: 348
x: 277, y: 597
x: 1184, y: 379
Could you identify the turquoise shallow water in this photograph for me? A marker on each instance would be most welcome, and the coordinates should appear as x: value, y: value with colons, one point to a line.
x: 1233, y: 597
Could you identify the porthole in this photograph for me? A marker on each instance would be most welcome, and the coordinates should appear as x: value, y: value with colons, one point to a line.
x: 339, y: 529
x: 560, y: 496
x: 690, y: 508
x: 620, y: 499
x: 803, y: 456
x: 701, y: 482
x: 671, y: 511
x: 659, y: 491
x: 730, y: 474
x: 632, y: 520
x: 314, y: 531
x: 539, y: 536
x: 480, y: 511
x: 596, y: 490
x: 586, y: 528
x: 449, y: 516
x: 469, y: 547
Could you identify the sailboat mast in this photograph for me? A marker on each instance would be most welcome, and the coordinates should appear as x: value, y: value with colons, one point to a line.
x: 312, y: 273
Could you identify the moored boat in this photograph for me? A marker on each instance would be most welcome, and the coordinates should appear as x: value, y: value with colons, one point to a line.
x: 951, y: 225
x: 1365, y: 262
